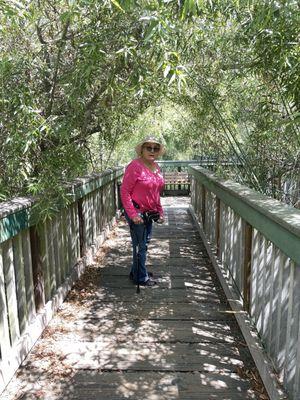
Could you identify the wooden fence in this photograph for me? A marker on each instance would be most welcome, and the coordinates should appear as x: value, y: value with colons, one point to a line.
x: 39, y: 263
x: 176, y: 173
x: 177, y: 182
x: 255, y: 242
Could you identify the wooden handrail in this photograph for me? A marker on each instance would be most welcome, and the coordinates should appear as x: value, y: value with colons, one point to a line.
x: 255, y: 242
x: 40, y: 262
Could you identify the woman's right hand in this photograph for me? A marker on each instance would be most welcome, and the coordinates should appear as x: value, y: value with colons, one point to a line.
x: 137, y: 220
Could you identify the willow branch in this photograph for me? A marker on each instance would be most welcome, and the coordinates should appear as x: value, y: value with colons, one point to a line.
x: 56, y: 68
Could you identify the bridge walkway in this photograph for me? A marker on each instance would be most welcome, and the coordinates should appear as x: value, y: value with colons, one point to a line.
x: 177, y: 341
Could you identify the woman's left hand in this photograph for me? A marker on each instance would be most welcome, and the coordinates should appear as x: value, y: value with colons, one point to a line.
x: 137, y: 220
x: 161, y: 220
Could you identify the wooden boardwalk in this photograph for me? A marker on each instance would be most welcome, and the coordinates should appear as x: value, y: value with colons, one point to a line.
x: 178, y: 340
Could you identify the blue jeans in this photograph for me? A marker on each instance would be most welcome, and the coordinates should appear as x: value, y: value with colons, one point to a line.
x: 139, y: 235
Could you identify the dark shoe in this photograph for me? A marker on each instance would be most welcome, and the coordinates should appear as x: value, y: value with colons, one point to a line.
x: 155, y: 276
x: 150, y: 274
x: 149, y: 283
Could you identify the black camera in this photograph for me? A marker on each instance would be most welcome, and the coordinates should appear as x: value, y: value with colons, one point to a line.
x: 149, y: 216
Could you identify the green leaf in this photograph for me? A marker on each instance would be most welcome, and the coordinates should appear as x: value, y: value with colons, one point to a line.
x: 172, y: 79
x: 116, y: 3
x: 152, y: 28
x: 167, y: 70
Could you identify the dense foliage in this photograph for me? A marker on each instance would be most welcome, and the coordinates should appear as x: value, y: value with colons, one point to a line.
x: 81, y: 81
x: 73, y: 77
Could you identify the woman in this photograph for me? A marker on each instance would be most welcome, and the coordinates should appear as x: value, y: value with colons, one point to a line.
x: 140, y: 192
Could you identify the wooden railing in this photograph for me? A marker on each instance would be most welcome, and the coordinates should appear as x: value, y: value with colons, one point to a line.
x: 176, y: 173
x: 255, y: 244
x: 177, y: 182
x: 39, y: 263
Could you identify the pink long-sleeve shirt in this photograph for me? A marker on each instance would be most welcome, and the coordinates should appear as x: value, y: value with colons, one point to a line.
x: 142, y: 186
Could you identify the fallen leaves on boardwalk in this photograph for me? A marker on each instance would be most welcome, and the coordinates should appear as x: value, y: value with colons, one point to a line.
x: 256, y: 382
x: 49, y: 366
x: 84, y: 288
x: 45, y: 358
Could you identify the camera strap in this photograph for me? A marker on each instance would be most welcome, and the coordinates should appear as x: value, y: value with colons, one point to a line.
x: 135, y: 205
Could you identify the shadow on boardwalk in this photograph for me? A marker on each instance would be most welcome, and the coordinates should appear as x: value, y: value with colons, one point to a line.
x: 178, y: 340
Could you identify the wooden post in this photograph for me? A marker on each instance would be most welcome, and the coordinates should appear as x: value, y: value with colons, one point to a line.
x: 82, y: 243
x: 247, y: 265
x: 26, y: 249
x: 179, y: 170
x: 116, y: 196
x: 20, y: 281
x: 218, y: 222
x: 203, y: 207
x: 5, y: 340
x: 37, y: 268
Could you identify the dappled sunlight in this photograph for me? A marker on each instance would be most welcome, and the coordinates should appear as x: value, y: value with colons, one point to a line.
x: 211, y: 331
x: 115, y: 356
x: 161, y: 388
x: 108, y: 339
x: 198, y: 283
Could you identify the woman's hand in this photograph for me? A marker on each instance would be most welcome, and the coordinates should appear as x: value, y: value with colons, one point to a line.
x: 137, y: 220
x: 161, y: 220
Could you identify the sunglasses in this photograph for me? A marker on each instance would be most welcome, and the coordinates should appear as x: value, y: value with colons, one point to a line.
x: 151, y: 149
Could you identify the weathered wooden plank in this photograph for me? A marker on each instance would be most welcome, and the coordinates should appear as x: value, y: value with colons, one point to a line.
x: 246, y: 265
x: 81, y: 227
x: 64, y: 240
x: 284, y: 307
x: 260, y: 281
x: 26, y: 249
x: 159, y: 386
x: 61, y: 246
x: 238, y: 253
x: 163, y: 295
x: 69, y: 236
x: 267, y: 298
x: 37, y: 267
x: 86, y: 223
x: 292, y: 343
x: 45, y: 255
x: 296, y: 388
x: 20, y: 282
x: 76, y: 233
x: 56, y: 251
x: 4, y: 326
x: 146, y: 331
x: 154, y: 258
x: 166, y: 281
x: 276, y: 303
x: 10, y: 284
x: 204, y: 357
x: 94, y: 215
x: 155, y: 311
x: 186, y: 239
x: 122, y: 268
x: 52, y: 256
x: 101, y: 211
